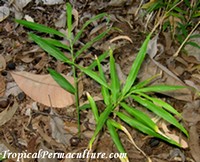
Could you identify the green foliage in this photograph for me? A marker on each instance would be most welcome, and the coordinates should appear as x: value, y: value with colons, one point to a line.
x: 181, y: 18
x: 114, y: 94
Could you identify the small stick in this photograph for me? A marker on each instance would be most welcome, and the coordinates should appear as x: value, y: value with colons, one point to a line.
x: 186, y: 39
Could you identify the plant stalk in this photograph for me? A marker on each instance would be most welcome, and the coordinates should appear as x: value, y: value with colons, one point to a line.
x: 76, y: 88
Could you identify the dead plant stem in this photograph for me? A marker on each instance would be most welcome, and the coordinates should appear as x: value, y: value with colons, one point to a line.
x: 186, y: 39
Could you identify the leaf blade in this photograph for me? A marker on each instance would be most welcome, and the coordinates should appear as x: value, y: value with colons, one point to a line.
x: 140, y: 116
x: 93, y: 106
x: 136, y: 66
x: 64, y: 83
x: 160, y: 112
x: 40, y: 27
x: 115, y: 84
x: 53, y: 51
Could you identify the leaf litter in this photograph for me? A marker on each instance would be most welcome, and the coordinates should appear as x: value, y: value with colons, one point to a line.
x: 53, y: 127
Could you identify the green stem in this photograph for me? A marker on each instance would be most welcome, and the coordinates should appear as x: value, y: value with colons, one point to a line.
x: 76, y: 87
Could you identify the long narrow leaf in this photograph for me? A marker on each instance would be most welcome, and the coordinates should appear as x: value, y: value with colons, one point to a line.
x: 39, y: 27
x: 144, y: 83
x: 100, y: 58
x: 115, y: 84
x: 140, y: 116
x: 53, y: 51
x: 102, y: 119
x: 94, y: 107
x: 86, y: 24
x: 69, y: 20
x: 163, y: 104
x: 136, y: 66
x: 93, y: 75
x: 158, y: 88
x: 56, y: 43
x: 115, y: 138
x: 104, y: 91
x: 122, y: 128
x: 160, y: 112
x: 143, y: 128
x: 89, y: 44
x: 84, y: 107
x: 64, y: 83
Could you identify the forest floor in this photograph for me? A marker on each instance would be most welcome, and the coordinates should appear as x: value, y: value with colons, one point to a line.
x: 27, y: 124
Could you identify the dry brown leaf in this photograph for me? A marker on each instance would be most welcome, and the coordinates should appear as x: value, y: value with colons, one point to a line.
x: 2, y: 86
x: 121, y: 37
x: 5, y: 11
x: 58, y: 132
x: 97, y: 28
x: 150, y: 68
x: 8, y: 113
x: 194, y: 143
x: 43, y: 89
x: 71, y: 127
x: 153, y: 67
x: 2, y: 63
x: 116, y: 3
x: 176, y: 138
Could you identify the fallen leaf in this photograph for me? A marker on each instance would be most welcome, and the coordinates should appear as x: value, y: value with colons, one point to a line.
x: 8, y: 113
x: 52, y: 2
x: 4, y: 13
x: 174, y: 137
x: 2, y: 63
x: 190, y: 112
x: 20, y: 4
x: 43, y: 89
x: 2, y: 86
x: 12, y: 89
x: 71, y: 127
x: 47, y: 158
x: 117, y: 3
x: 194, y: 142
x: 61, y: 22
x: 58, y: 132
x: 28, y: 18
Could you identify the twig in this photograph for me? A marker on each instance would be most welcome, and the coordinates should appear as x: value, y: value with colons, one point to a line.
x: 186, y: 39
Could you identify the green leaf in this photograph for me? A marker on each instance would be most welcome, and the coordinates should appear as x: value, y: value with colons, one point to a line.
x: 161, y: 103
x: 143, y: 128
x: 102, y: 119
x: 136, y: 66
x: 157, y: 88
x: 69, y: 20
x: 53, y: 51
x: 93, y: 75
x: 64, y: 83
x: 100, y: 58
x: 144, y: 83
x: 2, y: 157
x: 115, y: 137
x: 56, y: 43
x: 99, y: 16
x: 160, y: 112
x: 89, y: 44
x: 115, y: 84
x: 39, y: 27
x: 84, y: 107
x: 140, y: 116
x: 104, y: 91
x: 194, y: 44
x: 194, y: 36
x: 94, y: 107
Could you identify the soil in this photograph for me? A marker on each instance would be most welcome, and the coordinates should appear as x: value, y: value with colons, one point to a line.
x: 34, y: 126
